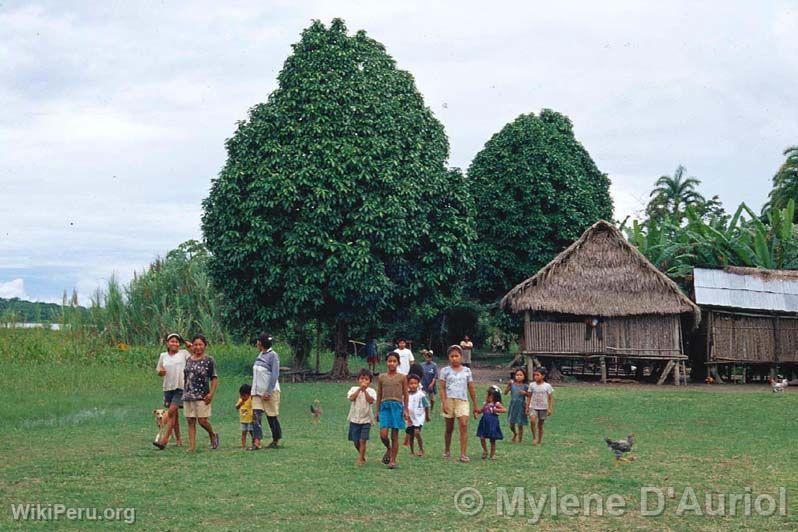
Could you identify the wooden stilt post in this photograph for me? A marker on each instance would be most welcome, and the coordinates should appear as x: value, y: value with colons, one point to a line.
x: 665, y: 372
x: 603, y: 362
x: 676, y: 371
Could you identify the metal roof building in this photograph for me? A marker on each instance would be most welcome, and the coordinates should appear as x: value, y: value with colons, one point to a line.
x: 750, y: 316
x: 747, y: 288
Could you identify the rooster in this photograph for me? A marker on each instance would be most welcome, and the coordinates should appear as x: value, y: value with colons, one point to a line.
x: 779, y: 384
x: 315, y: 410
x: 620, y: 447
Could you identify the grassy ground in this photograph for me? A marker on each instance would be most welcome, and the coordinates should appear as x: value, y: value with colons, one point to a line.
x: 79, y: 434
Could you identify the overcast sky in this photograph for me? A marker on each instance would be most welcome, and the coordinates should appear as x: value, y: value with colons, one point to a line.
x: 113, y: 115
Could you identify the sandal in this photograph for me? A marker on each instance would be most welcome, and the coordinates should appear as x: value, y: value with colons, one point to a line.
x: 386, y: 458
x: 159, y: 445
x: 391, y: 466
x: 215, y: 442
x: 464, y: 458
x: 484, y: 456
x: 446, y: 456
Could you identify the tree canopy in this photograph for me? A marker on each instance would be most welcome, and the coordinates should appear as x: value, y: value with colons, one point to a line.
x: 785, y: 182
x: 535, y: 190
x: 335, y: 202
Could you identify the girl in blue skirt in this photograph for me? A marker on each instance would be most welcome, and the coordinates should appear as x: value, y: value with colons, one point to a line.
x: 489, y: 428
x: 391, y: 407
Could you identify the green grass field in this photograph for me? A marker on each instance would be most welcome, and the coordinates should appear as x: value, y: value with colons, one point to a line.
x: 79, y: 434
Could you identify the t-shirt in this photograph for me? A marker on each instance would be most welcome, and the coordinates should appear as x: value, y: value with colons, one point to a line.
x: 244, y: 410
x: 405, y: 358
x: 360, y: 410
x: 540, y: 395
x: 456, y: 382
x: 391, y: 386
x: 416, y: 405
x: 430, y: 372
x: 198, y: 375
x: 174, y: 366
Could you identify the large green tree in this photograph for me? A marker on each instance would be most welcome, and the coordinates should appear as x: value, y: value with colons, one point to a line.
x: 335, y: 203
x: 535, y: 189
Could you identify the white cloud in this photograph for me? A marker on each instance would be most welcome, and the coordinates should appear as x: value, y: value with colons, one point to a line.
x: 13, y: 288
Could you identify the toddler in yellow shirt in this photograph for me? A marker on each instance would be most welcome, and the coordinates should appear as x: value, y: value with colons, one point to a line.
x: 244, y: 407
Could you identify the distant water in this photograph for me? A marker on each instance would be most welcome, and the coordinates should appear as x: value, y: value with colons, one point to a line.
x: 51, y: 326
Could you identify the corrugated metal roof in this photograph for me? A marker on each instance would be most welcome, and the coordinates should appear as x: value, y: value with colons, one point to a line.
x: 720, y: 288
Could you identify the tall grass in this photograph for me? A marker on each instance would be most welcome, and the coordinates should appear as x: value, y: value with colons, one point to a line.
x: 174, y: 294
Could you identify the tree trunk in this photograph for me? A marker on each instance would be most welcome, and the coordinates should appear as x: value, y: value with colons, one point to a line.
x: 301, y: 344
x: 340, y: 369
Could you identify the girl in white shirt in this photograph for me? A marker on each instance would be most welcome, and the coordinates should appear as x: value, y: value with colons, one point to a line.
x: 171, y: 364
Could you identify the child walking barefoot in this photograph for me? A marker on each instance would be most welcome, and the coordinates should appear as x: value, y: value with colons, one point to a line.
x: 244, y: 407
x: 540, y: 404
x: 418, y: 407
x: 391, y: 407
x: 361, y: 416
x: 489, y: 428
x: 517, y: 388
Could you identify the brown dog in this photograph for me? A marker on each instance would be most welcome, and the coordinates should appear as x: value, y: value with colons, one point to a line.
x: 162, y: 420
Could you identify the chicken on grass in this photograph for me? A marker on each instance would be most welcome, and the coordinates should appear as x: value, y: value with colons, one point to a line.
x: 621, y: 447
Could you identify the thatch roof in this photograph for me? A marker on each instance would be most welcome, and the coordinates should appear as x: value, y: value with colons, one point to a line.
x: 600, y: 274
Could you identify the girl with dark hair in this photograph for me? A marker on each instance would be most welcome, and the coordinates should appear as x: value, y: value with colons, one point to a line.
x: 201, y: 381
x: 489, y: 428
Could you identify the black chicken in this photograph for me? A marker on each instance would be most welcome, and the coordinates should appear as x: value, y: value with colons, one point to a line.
x: 620, y: 447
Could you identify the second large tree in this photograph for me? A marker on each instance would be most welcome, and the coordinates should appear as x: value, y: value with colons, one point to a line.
x: 535, y: 189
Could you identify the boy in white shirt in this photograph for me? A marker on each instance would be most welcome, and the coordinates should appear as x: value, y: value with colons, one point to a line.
x: 539, y: 404
x: 418, y: 407
x: 361, y: 416
x: 405, y: 357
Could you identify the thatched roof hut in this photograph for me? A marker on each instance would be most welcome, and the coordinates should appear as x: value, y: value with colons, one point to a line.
x: 601, y: 298
x: 600, y: 274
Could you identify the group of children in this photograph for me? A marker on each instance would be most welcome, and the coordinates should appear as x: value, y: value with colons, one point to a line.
x: 405, y: 396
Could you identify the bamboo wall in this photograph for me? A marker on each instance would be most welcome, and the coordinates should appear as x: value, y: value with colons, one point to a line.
x: 754, y: 339
x: 647, y: 336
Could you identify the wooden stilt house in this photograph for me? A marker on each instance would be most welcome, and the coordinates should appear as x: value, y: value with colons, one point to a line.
x: 750, y: 319
x: 601, y: 300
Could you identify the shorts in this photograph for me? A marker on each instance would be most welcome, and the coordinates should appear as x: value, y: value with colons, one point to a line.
x: 173, y: 397
x: 392, y: 415
x: 196, y: 408
x: 271, y: 407
x: 359, y: 431
x: 246, y: 427
x: 540, y: 414
x: 412, y: 429
x: 456, y: 408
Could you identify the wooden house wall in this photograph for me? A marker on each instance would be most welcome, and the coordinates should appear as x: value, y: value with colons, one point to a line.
x: 648, y: 336
x: 751, y: 338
